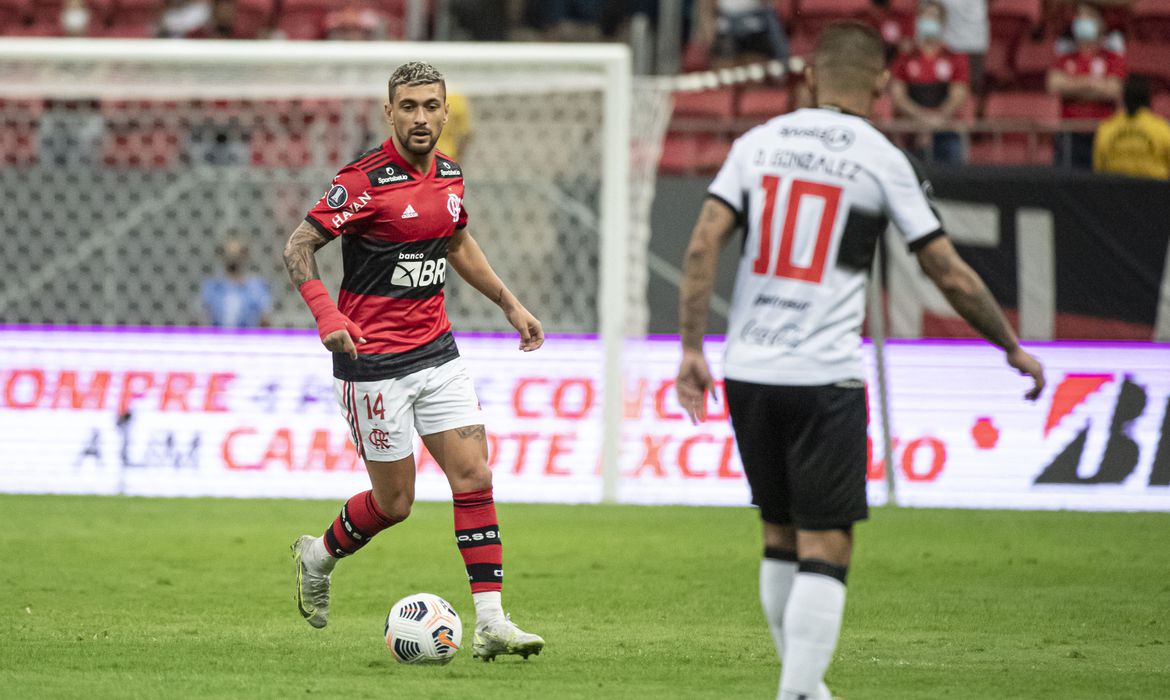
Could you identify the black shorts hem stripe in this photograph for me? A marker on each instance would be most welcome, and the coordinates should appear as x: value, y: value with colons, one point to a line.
x: 920, y: 243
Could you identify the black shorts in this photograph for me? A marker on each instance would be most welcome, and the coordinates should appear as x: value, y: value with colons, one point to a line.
x: 803, y: 450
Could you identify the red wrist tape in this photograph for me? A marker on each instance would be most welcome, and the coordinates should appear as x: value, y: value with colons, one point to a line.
x: 329, y: 318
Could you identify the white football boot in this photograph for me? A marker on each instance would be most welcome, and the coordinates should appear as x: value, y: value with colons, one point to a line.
x: 313, y: 569
x: 504, y: 637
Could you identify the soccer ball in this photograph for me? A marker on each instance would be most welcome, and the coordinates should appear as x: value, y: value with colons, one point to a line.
x: 423, y: 629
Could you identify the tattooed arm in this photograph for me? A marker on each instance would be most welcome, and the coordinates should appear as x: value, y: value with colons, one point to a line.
x: 337, y: 332
x: 300, y: 252
x: 969, y: 296
x: 716, y: 224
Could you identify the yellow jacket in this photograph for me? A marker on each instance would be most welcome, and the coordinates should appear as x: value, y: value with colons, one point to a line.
x: 1138, y: 146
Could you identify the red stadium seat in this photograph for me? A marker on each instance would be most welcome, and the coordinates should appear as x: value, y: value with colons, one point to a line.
x: 12, y: 13
x: 718, y: 103
x: 19, y: 120
x: 1150, y: 59
x: 785, y: 9
x: 763, y: 103
x: 1033, y: 59
x: 1161, y: 104
x: 882, y: 110
x: 680, y: 154
x: 813, y: 15
x: 1010, y: 19
x: 253, y: 18
x: 1151, y: 20
x: 1018, y: 113
x: 132, y: 15
x: 997, y: 65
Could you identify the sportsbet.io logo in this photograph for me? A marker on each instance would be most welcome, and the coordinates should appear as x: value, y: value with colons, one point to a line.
x: 413, y: 271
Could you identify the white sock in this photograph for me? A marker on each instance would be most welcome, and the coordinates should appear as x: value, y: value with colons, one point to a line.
x: 488, y: 609
x: 319, y: 556
x: 812, y: 622
x: 776, y: 578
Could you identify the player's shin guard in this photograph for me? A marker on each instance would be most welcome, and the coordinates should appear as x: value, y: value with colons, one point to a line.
x: 812, y: 623
x: 478, y: 535
x: 359, y: 521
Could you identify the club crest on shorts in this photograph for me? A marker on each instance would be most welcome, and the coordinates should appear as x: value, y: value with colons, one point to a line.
x: 337, y: 196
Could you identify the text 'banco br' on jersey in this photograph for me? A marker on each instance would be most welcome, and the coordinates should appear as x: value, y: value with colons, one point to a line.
x: 814, y: 190
x: 395, y: 224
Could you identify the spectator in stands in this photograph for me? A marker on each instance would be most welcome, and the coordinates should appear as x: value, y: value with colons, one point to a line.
x: 1114, y: 18
x: 930, y: 84
x: 184, y: 19
x: 1134, y: 141
x: 235, y: 299
x: 897, y: 33
x: 1088, y: 82
x: 75, y: 18
x: 968, y: 31
x: 736, y: 32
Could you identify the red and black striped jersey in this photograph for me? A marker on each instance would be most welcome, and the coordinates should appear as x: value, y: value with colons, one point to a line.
x: 395, y: 223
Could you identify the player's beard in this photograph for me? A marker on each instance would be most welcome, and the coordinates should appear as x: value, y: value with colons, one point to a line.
x: 411, y: 145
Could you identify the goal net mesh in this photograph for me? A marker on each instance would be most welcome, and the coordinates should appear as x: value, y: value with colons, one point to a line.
x: 124, y: 173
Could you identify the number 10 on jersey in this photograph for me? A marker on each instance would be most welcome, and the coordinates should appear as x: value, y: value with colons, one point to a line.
x: 800, y: 191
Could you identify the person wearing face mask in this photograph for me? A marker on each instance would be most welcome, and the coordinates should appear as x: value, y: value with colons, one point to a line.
x: 235, y: 299
x: 1088, y: 82
x: 930, y: 84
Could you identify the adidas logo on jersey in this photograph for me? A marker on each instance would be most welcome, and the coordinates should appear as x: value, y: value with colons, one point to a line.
x: 419, y: 273
x: 409, y: 212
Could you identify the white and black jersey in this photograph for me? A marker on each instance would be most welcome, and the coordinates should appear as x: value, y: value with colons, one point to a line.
x: 814, y: 190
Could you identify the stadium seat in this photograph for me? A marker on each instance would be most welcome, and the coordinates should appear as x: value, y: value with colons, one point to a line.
x: 813, y: 15
x: 134, y: 14
x: 1150, y: 59
x: 882, y: 110
x: 19, y: 121
x: 303, y: 19
x: 1151, y: 20
x: 12, y: 13
x: 680, y: 154
x: 1011, y: 19
x: 1161, y: 104
x: 763, y: 103
x: 1033, y: 59
x: 997, y: 65
x: 785, y: 9
x: 1016, y: 142
x: 718, y: 103
x: 253, y: 18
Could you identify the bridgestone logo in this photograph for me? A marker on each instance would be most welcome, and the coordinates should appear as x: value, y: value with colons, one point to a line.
x: 419, y: 273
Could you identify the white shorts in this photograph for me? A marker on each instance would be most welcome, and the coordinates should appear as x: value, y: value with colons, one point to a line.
x: 381, y: 415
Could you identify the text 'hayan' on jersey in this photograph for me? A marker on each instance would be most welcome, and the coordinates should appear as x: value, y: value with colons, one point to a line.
x: 395, y: 224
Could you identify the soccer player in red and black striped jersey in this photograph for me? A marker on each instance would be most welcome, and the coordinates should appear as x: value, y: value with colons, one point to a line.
x: 398, y: 210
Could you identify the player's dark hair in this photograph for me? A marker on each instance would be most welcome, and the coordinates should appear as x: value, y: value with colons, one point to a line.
x: 1135, y: 94
x: 415, y: 73
x: 849, y: 56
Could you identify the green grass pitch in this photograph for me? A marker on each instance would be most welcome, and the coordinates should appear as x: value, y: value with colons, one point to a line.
x: 155, y: 598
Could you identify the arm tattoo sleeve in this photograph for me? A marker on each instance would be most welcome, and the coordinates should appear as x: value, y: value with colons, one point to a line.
x: 698, y: 273
x: 299, y: 254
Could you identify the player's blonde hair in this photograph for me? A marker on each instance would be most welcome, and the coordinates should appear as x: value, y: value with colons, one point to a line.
x: 415, y: 73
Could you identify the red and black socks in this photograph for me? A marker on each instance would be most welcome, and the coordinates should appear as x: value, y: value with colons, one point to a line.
x: 359, y: 521
x: 477, y: 533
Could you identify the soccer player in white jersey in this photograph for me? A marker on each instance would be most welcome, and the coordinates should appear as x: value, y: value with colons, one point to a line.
x: 814, y: 190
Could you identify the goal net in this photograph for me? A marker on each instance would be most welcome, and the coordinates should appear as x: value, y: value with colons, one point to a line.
x: 128, y: 163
